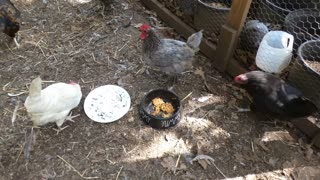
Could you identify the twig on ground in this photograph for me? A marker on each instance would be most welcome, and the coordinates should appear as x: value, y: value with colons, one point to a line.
x: 74, y: 169
x: 85, y: 82
x: 14, y: 114
x: 18, y: 94
x: 177, y: 163
x: 187, y: 96
x: 24, y: 144
x: 199, y: 157
x: 119, y: 173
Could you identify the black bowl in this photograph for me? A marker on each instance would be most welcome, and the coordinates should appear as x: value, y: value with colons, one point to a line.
x: 158, y: 122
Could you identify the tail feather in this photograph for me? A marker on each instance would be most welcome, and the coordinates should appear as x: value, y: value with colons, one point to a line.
x: 194, y: 40
x: 35, y: 87
x: 300, y: 107
x: 29, y: 142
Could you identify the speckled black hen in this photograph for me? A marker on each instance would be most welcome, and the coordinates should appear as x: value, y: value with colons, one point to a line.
x: 271, y: 94
x: 170, y: 56
x: 8, y: 18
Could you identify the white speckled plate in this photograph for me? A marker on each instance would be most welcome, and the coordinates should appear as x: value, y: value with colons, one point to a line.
x: 107, y: 103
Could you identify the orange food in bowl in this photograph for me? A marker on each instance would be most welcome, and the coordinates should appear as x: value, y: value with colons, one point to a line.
x: 160, y: 107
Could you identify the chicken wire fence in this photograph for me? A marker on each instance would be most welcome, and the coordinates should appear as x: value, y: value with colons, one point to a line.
x: 282, y: 37
x: 279, y: 36
x: 208, y: 15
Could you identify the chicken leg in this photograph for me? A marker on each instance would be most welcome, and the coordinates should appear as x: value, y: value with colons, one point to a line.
x: 68, y: 118
x: 172, y: 80
x: 16, y: 42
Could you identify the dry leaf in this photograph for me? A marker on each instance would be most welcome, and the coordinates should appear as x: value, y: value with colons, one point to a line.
x: 188, y: 175
x: 169, y: 163
x: 237, y: 94
x: 264, y: 147
x: 131, y: 119
x: 307, y: 172
x: 179, y: 13
x: 208, y: 160
x: 261, y: 144
x: 290, y: 164
x: 252, y: 157
x: 193, y: 104
x: 234, y: 116
x: 287, y: 168
x: 137, y: 25
x: 308, y: 153
x: 252, y: 67
x: 201, y: 113
x: 251, y: 177
x: 243, y: 59
x: 182, y: 166
x: 204, y: 98
x: 272, y: 162
x: 77, y: 2
x: 203, y: 163
x: 125, y: 6
x: 286, y: 164
x: 219, y: 107
x: 240, y: 52
x: 75, y: 29
x: 200, y: 72
x: 150, y: 12
x: 239, y: 157
x: 202, y: 157
x: 232, y: 102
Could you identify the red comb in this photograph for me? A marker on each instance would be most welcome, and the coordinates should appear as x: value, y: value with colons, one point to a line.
x: 241, y: 79
x: 72, y: 83
x: 237, y: 78
x: 144, y: 27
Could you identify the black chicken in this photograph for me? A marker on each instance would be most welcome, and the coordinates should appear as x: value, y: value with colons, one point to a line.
x: 8, y: 18
x: 272, y: 94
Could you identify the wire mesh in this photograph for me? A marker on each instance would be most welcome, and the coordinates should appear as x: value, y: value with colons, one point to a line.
x: 291, y: 49
x: 295, y: 51
x: 208, y: 15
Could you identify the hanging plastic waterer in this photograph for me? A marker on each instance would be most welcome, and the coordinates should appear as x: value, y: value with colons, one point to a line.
x: 275, y: 51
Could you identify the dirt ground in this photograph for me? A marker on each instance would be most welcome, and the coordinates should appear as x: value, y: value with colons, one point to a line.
x: 95, y: 46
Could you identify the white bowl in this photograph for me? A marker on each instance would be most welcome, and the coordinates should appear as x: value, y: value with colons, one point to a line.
x: 107, y: 103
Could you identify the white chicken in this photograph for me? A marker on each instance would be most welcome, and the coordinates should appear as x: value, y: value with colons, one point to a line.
x: 52, y: 104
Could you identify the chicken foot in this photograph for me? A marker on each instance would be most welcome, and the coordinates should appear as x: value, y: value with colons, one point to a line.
x: 59, y: 129
x: 68, y: 118
x: 171, y: 81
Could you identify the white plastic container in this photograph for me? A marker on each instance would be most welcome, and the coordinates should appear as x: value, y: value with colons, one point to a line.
x: 275, y: 51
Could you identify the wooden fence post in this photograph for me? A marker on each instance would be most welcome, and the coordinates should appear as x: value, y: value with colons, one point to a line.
x: 230, y: 33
